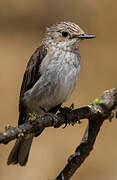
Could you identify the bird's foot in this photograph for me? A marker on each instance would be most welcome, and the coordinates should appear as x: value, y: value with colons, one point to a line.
x: 65, y: 112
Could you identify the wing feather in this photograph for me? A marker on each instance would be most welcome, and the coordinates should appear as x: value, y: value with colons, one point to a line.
x: 31, y: 76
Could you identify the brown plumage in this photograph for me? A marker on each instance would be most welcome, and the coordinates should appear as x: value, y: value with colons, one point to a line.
x: 31, y: 76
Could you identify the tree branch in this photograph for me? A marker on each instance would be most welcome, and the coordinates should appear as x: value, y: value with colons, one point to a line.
x: 95, y: 113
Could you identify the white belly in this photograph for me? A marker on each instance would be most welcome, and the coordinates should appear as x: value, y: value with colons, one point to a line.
x: 55, y: 85
x: 65, y: 86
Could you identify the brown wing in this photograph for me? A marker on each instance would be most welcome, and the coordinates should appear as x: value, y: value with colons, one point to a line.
x: 31, y: 76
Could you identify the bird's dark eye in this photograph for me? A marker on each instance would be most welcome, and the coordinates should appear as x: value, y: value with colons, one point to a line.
x: 64, y: 34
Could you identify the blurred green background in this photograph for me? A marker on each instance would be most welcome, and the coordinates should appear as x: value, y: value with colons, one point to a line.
x: 22, y: 25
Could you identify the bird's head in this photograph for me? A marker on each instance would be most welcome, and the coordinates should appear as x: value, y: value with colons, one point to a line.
x: 66, y: 35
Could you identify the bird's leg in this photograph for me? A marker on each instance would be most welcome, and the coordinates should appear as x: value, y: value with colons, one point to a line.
x: 43, y: 109
x: 53, y: 116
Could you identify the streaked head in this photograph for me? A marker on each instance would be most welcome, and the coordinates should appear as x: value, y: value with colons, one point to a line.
x: 65, y: 35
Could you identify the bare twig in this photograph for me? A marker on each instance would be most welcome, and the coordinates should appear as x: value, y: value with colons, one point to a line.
x: 98, y: 113
x: 95, y: 113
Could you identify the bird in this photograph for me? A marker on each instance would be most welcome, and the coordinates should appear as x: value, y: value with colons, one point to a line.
x: 49, y: 80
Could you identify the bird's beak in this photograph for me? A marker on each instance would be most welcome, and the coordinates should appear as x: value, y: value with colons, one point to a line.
x: 87, y: 36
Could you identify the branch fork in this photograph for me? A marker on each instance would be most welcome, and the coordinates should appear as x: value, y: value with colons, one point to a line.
x: 96, y: 113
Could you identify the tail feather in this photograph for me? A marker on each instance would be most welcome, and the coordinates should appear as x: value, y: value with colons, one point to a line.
x: 20, y: 151
x: 24, y: 151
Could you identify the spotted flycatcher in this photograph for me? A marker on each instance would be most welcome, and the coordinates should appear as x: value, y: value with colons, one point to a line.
x: 49, y: 79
